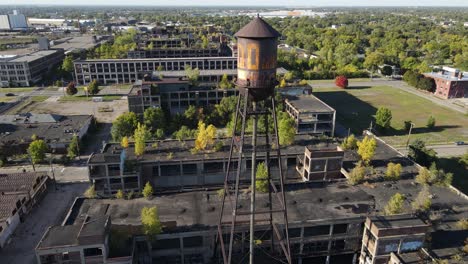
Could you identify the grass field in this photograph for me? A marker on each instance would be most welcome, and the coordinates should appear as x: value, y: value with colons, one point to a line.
x: 5, y: 99
x: 333, y: 81
x: 6, y: 41
x: 356, y: 108
x: 16, y: 90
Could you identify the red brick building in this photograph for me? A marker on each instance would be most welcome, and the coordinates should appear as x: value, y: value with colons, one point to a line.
x: 450, y: 83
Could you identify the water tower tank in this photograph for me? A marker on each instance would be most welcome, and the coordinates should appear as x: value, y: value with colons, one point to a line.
x: 257, y: 58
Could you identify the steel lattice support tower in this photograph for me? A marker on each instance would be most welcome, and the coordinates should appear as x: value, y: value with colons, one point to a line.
x: 257, y: 63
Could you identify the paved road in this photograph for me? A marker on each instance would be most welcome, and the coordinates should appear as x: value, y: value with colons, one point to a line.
x: 402, y: 86
x: 449, y: 150
x: 50, y: 211
x: 76, y: 173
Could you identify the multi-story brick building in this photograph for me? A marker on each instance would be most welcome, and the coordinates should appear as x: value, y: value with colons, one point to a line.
x: 28, y: 69
x: 386, y: 234
x: 170, y: 165
x: 450, y: 83
x: 173, y: 94
x: 108, y: 71
x: 19, y: 192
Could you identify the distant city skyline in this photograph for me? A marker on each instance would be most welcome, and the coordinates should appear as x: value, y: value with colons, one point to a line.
x: 286, y: 3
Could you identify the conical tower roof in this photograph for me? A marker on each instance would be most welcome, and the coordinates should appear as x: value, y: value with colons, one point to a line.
x: 257, y: 28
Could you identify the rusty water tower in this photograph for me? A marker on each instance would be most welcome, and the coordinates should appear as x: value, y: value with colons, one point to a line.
x: 256, y: 68
x: 257, y: 44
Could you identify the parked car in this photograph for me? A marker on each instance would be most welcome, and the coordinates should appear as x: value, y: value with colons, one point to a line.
x: 9, y: 94
x: 460, y: 143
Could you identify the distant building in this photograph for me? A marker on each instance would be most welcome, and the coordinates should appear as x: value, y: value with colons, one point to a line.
x: 450, y: 83
x: 108, y: 71
x: 28, y: 69
x: 311, y: 115
x: 15, y: 21
x: 57, y: 131
x: 19, y: 192
x: 79, y: 45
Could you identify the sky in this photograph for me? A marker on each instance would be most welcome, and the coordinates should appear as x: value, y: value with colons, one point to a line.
x: 244, y: 2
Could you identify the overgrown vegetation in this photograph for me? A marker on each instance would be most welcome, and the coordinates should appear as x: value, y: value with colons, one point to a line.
x: 395, y: 204
x: 148, y: 190
x: 261, y: 182
x: 150, y: 222
x: 393, y: 172
x: 366, y: 149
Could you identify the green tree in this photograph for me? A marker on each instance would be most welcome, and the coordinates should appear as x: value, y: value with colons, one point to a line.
x: 282, y: 83
x: 140, y: 136
x: 366, y: 149
x: 192, y: 75
x: 148, y: 190
x: 67, y: 64
x: 357, y: 174
x: 205, y: 136
x: 225, y: 83
x: 420, y: 154
x: 424, y: 176
x: 349, y: 143
x: 124, y: 142
x: 124, y: 126
x: 383, y: 117
x: 205, y: 42
x: 431, y: 122
x: 73, y: 149
x: 154, y: 118
x: 373, y: 60
x: 464, y: 160
x: 395, y: 205
x: 93, y: 87
x: 387, y: 70
x: 71, y: 89
x: 286, y: 129
x: 261, y: 176
x: 184, y: 133
x: 439, y: 176
x: 90, y: 193
x: 120, y: 194
x: 150, y: 46
x: 37, y: 150
x: 426, y: 84
x: 463, y: 224
x: 393, y: 172
x: 422, y: 202
x: 150, y: 221
x: 407, y: 124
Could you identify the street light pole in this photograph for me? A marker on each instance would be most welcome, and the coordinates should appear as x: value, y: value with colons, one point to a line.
x: 409, y: 134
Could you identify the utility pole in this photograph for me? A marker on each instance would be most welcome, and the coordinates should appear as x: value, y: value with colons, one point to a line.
x: 409, y: 134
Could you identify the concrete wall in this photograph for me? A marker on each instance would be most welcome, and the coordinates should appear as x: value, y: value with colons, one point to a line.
x: 11, y: 223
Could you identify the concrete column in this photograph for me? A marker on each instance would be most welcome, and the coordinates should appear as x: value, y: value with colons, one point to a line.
x: 82, y: 257
x: 181, y: 249
x: 333, y: 124
x: 107, y: 178
x: 330, y: 235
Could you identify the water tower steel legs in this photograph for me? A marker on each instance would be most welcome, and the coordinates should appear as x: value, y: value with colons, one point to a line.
x: 246, y: 108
